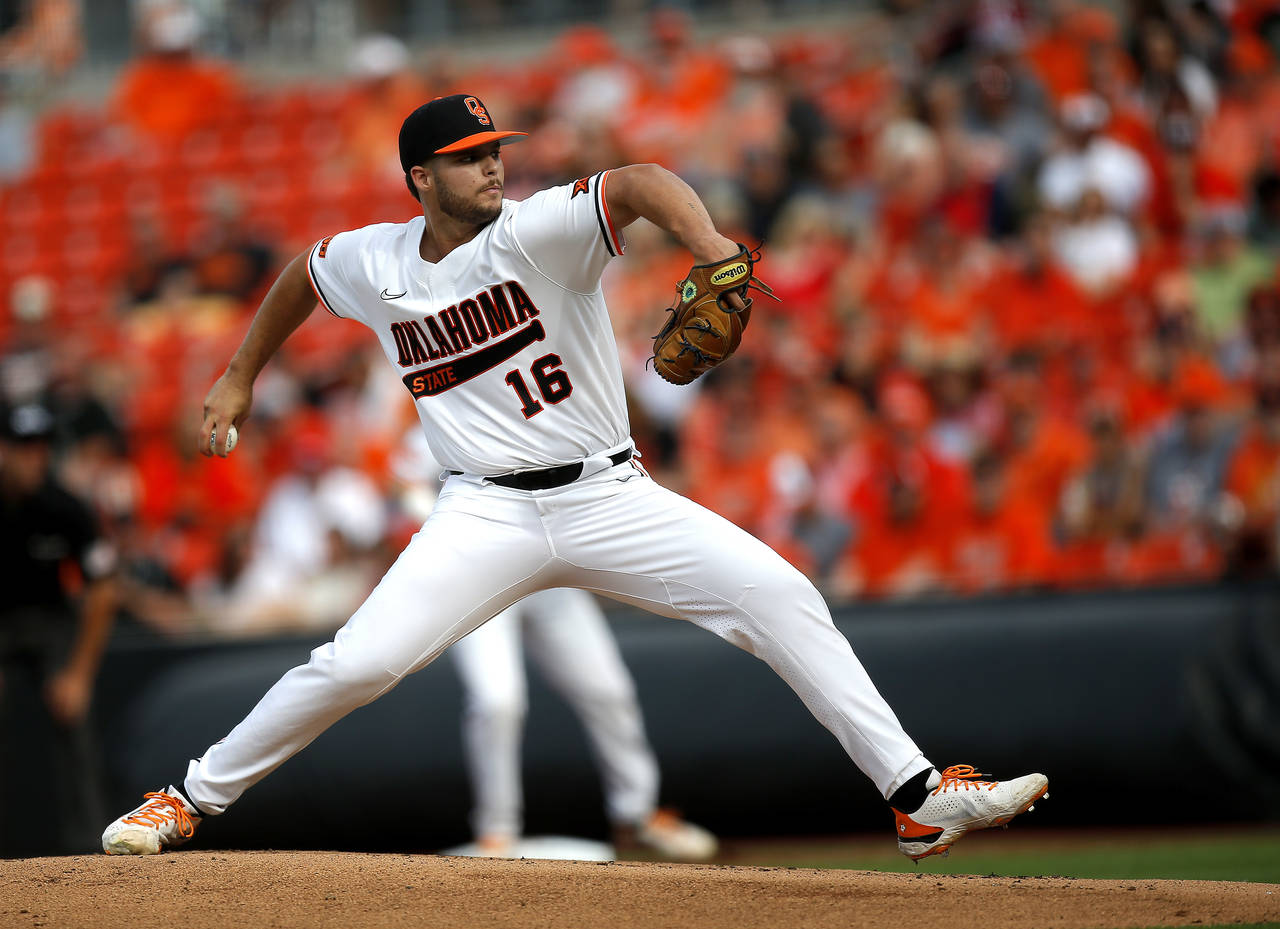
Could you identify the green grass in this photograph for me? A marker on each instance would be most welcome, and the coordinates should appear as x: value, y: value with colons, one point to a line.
x: 1225, y: 855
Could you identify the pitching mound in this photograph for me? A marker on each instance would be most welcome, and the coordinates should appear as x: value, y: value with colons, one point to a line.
x: 212, y: 890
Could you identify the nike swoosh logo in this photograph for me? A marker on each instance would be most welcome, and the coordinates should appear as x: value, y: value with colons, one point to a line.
x: 390, y: 296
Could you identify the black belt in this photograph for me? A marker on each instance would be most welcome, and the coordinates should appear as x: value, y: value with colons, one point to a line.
x: 547, y: 478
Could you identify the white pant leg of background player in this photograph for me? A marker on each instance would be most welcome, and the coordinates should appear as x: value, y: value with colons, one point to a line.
x: 480, y: 551
x: 490, y: 664
x: 566, y: 634
x: 642, y: 543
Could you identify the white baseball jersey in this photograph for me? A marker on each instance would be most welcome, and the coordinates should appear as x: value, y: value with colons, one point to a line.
x: 516, y: 315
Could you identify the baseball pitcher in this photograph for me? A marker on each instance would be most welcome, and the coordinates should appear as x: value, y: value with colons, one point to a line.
x: 491, y: 312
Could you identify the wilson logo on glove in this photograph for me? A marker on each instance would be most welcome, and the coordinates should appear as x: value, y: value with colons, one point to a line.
x: 705, y: 328
x: 730, y: 275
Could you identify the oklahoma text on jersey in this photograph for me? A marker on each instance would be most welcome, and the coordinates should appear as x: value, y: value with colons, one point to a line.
x: 454, y: 330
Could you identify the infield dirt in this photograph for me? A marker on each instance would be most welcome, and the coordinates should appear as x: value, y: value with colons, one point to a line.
x: 211, y: 890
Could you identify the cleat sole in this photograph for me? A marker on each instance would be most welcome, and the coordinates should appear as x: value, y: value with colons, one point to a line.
x: 941, y: 851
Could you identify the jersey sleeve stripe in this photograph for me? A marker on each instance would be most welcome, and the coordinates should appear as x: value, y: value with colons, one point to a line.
x: 612, y: 239
x: 315, y: 285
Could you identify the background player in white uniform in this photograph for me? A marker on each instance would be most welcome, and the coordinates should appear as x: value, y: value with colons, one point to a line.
x: 565, y: 632
x: 493, y: 312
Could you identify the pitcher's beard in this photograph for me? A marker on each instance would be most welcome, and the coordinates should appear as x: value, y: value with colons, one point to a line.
x: 466, y: 211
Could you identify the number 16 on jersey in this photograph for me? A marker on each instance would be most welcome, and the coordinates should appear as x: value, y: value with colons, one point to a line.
x: 552, y: 382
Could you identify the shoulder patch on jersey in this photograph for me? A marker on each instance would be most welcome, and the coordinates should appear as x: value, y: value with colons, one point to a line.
x: 324, y: 245
x: 581, y: 186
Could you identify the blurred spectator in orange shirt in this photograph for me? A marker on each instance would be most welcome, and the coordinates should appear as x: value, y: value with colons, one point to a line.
x: 170, y: 89
x: 1030, y: 301
x: 1071, y: 32
x: 594, y: 81
x: 1044, y: 448
x: 1100, y: 512
x: 738, y: 485
x: 998, y: 545
x: 905, y: 505
x: 678, y: 72
x: 942, y: 314
x: 385, y: 90
x: 1170, y: 344
x: 681, y: 85
x: 1242, y: 127
x: 729, y: 438
x: 1253, y: 481
x: 900, y: 552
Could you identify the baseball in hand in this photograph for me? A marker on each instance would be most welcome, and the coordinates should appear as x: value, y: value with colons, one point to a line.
x: 233, y: 436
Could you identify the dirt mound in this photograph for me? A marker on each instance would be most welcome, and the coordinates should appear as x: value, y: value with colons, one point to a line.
x: 211, y: 890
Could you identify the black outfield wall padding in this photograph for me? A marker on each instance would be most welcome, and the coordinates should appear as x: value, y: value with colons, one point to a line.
x: 1126, y: 700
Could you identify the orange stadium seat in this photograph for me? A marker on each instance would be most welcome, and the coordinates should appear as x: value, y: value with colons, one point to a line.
x: 69, y: 133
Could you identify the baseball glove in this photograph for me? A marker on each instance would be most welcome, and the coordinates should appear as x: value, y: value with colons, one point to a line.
x: 704, y: 329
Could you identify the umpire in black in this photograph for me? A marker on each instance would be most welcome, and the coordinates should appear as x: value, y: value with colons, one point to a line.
x: 56, y: 609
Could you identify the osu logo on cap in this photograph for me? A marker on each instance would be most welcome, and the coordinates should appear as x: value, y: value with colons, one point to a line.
x: 478, y: 111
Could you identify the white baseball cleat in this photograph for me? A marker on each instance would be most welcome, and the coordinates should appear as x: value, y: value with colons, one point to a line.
x: 670, y: 836
x: 960, y: 802
x: 166, y: 819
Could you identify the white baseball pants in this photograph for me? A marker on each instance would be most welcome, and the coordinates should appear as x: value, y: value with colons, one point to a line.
x: 566, y: 635
x: 614, y: 531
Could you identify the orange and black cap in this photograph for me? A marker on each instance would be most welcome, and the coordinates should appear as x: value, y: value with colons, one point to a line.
x: 447, y: 124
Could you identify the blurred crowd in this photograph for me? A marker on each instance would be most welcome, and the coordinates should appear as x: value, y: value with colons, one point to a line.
x: 1028, y: 337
